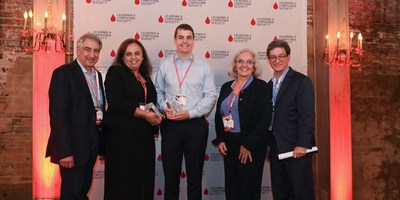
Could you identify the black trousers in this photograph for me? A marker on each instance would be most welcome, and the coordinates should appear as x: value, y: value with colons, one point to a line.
x: 129, y: 165
x: 76, y: 181
x: 291, y: 178
x: 243, y: 181
x: 186, y: 139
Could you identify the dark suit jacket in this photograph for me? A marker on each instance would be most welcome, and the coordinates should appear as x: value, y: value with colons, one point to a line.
x: 72, y: 115
x: 255, y: 110
x: 294, y: 112
x: 124, y: 94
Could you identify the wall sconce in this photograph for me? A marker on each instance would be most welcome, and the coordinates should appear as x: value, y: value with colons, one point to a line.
x: 45, y: 39
x: 350, y: 57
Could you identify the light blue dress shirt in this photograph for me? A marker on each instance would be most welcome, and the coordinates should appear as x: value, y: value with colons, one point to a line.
x: 93, y: 79
x: 198, y: 85
x: 235, y: 107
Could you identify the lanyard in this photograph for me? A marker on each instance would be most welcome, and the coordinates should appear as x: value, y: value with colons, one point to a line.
x: 143, y: 83
x: 94, y: 88
x: 187, y: 71
x: 232, y: 96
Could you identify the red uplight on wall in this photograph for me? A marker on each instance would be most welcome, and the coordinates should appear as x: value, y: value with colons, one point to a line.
x: 340, y: 133
x: 46, y: 179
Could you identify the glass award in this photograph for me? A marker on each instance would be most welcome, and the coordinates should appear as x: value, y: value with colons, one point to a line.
x: 173, y: 104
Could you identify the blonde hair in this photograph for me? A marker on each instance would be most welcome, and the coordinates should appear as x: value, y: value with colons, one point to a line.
x: 232, y: 68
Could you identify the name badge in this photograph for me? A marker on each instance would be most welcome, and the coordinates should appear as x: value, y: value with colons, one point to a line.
x: 228, y: 122
x: 99, y: 116
x: 181, y: 99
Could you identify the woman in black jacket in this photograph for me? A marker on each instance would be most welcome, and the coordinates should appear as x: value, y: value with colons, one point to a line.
x: 130, y: 147
x: 242, y: 118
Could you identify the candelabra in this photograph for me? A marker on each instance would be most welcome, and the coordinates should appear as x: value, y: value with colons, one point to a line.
x: 350, y: 57
x: 46, y: 40
x: 43, y: 40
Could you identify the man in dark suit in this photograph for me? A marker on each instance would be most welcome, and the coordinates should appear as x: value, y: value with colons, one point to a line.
x: 291, y: 127
x: 76, y: 109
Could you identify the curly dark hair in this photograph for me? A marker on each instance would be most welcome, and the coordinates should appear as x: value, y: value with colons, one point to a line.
x: 145, y: 68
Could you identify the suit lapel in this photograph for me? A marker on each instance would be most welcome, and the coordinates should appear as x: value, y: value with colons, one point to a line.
x: 81, y: 80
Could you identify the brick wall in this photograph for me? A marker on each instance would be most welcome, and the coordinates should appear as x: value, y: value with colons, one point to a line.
x: 15, y: 104
x: 375, y: 97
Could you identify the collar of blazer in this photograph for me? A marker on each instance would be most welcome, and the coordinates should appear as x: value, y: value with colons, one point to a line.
x: 285, y: 84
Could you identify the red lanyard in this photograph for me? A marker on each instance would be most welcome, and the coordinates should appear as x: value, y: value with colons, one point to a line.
x: 143, y: 83
x: 232, y: 99
x: 94, y: 90
x: 187, y: 71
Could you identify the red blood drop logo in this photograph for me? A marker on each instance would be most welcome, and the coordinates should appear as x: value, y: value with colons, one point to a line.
x: 88, y: 1
x: 112, y: 54
x: 137, y: 36
x: 230, y: 38
x: 184, y: 3
x: 253, y: 22
x: 275, y: 6
x: 207, y: 55
x: 159, y: 192
x: 205, y: 192
x: 183, y: 174
x: 159, y: 157
x: 275, y: 38
x: 207, y: 21
x: 137, y: 2
x: 113, y: 18
x: 161, y: 19
x: 206, y: 157
x: 230, y: 4
x: 160, y: 54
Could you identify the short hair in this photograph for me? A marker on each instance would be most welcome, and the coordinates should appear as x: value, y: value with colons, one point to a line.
x: 145, y: 68
x: 276, y: 44
x: 90, y: 36
x: 257, y: 67
x: 183, y: 27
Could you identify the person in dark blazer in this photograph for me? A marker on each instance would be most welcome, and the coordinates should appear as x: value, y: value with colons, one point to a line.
x: 242, y: 115
x: 292, y: 126
x: 76, y: 107
x: 130, y: 147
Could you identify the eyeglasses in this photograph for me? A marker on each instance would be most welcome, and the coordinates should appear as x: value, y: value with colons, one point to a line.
x: 247, y: 62
x: 280, y: 58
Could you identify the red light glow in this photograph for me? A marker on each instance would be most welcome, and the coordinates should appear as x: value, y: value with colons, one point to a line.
x: 340, y: 133
x: 46, y: 179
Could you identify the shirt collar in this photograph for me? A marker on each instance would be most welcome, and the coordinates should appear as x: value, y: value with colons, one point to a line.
x: 82, y: 68
x: 177, y: 58
x: 282, y: 76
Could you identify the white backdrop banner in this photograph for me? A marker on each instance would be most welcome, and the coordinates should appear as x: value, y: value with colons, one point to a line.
x: 222, y: 27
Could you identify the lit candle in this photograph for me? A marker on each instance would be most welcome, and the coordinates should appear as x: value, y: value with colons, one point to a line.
x: 338, y: 37
x: 25, y: 17
x: 360, y: 41
x: 351, y: 39
x: 30, y: 17
x: 326, y: 41
x: 46, y: 15
x: 63, y: 22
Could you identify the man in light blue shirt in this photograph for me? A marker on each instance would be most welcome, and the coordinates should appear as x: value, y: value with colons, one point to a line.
x: 186, y: 93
